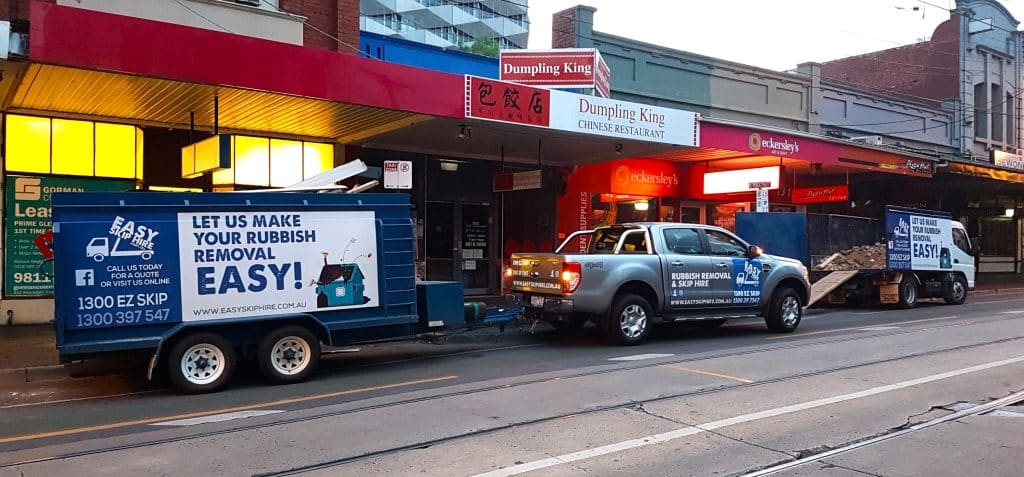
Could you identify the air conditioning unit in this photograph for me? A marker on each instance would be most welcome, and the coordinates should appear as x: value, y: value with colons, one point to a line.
x: 252, y: 3
x: 869, y: 140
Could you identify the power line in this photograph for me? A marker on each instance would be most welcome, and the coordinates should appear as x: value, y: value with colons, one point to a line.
x: 204, y: 17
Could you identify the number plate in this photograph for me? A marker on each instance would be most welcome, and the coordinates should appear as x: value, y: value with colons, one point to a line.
x: 537, y: 301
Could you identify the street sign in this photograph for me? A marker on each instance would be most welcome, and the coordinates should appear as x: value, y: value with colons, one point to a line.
x: 397, y: 174
x: 762, y: 200
x: 524, y: 180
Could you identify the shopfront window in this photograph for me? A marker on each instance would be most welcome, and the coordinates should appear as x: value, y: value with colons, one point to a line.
x: 68, y: 147
x: 264, y: 162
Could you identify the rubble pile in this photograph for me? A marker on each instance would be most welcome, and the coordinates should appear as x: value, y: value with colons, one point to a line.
x: 861, y: 257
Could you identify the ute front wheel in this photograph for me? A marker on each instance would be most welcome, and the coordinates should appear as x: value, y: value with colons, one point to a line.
x: 784, y: 311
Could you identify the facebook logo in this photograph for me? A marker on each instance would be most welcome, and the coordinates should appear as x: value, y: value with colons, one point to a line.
x: 84, y: 278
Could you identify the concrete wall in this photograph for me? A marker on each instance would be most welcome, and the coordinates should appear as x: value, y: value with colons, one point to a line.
x: 855, y: 113
x: 231, y: 17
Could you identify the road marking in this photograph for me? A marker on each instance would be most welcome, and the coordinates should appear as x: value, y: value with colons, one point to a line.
x: 1011, y: 312
x: 855, y: 328
x: 638, y: 357
x: 880, y: 328
x: 756, y: 416
x: 137, y: 422
x: 708, y: 373
x: 230, y: 416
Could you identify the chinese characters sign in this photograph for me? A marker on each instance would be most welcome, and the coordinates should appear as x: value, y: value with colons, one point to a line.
x: 507, y: 102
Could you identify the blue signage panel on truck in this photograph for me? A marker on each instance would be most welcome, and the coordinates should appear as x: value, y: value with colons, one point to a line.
x: 180, y: 274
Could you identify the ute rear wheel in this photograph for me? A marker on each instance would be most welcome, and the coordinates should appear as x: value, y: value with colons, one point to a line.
x: 784, y: 311
x: 288, y: 354
x: 629, y: 321
x: 201, y: 363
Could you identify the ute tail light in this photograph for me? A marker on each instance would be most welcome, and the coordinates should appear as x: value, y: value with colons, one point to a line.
x: 572, y: 274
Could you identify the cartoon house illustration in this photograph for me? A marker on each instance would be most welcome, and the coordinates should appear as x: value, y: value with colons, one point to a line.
x: 340, y: 284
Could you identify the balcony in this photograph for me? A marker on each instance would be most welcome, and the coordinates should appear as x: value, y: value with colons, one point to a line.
x: 241, y: 18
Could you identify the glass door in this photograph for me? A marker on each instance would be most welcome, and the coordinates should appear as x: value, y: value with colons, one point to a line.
x: 475, y: 248
x: 439, y: 235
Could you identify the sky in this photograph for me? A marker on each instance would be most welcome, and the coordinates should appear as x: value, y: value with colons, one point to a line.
x: 774, y: 34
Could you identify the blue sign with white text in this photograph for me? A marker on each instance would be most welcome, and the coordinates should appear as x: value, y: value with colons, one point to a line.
x: 746, y: 286
x: 125, y: 271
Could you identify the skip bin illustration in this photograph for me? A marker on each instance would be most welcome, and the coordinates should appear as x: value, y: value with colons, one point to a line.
x: 340, y: 284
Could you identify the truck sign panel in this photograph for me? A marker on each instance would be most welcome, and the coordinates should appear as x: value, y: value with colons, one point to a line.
x: 142, y: 268
x: 918, y: 242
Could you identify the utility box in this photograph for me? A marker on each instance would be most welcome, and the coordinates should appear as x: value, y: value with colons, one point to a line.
x: 441, y: 299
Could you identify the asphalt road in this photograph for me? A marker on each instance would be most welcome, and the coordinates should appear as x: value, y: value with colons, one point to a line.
x: 724, y: 402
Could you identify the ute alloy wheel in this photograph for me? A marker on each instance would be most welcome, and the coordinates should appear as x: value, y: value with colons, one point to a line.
x: 201, y: 363
x: 288, y: 354
x: 629, y: 320
x: 784, y: 311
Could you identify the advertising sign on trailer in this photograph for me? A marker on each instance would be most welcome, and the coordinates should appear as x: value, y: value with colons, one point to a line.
x: 143, y: 268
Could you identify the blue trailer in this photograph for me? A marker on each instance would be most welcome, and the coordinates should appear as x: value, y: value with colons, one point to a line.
x: 202, y: 280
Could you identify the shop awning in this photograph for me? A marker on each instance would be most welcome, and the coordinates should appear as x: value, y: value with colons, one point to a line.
x: 985, y: 172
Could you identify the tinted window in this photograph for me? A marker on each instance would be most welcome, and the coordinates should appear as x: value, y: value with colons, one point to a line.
x: 724, y: 244
x: 683, y: 241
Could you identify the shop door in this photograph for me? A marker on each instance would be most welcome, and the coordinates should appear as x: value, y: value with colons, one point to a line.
x: 458, y: 242
x: 439, y: 235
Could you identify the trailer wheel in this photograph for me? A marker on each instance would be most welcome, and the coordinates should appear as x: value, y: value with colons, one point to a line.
x: 955, y: 291
x: 784, y: 311
x: 908, y: 292
x: 201, y: 363
x: 629, y: 321
x: 288, y: 354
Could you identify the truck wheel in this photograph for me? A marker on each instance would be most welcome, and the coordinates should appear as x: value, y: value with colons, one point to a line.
x: 629, y: 320
x: 908, y: 292
x: 955, y: 292
x: 201, y: 363
x: 784, y: 311
x: 288, y: 354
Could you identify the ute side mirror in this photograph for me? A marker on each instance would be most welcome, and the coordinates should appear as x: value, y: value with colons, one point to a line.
x: 754, y: 251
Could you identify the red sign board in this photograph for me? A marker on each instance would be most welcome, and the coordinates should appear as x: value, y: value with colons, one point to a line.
x: 642, y: 177
x: 559, y: 68
x: 507, y: 102
x: 524, y: 180
x: 815, y: 195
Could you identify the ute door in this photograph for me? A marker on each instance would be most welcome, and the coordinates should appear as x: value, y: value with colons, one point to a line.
x: 686, y: 269
x: 738, y: 280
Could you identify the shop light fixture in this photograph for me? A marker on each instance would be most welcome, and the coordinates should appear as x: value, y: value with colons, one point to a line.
x: 449, y: 166
x: 1010, y: 212
x: 642, y: 206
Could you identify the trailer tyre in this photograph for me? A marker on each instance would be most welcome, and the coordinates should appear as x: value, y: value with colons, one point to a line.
x: 908, y: 292
x: 288, y: 354
x: 784, y: 311
x: 201, y: 363
x: 955, y: 292
x: 630, y: 320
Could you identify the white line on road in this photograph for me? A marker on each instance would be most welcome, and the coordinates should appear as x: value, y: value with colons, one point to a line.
x: 710, y: 426
x: 879, y: 328
x: 216, y: 418
x: 1011, y: 312
x: 638, y: 357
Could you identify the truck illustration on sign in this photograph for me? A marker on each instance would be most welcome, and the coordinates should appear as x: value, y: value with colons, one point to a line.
x: 99, y: 249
